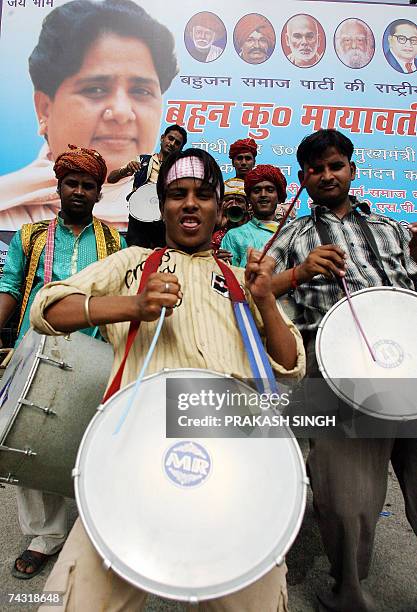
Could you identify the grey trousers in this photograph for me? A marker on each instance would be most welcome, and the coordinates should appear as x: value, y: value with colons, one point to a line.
x: 349, y: 482
x: 44, y: 517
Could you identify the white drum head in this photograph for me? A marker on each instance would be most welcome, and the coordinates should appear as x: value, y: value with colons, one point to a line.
x: 144, y: 203
x: 175, y: 540
x: 385, y: 388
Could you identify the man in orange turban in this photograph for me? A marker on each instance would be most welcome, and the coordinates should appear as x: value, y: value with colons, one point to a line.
x: 265, y: 188
x: 78, y: 240
x: 254, y: 39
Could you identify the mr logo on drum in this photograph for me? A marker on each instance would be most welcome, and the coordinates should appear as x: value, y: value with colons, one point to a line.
x: 187, y: 464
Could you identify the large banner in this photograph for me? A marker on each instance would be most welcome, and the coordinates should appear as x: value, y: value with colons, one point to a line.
x: 274, y: 71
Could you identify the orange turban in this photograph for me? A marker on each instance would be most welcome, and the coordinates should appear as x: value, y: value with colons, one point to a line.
x: 254, y: 23
x: 241, y: 146
x: 78, y: 159
x: 270, y: 173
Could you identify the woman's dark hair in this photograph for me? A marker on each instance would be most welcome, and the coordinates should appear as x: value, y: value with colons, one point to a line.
x: 314, y: 145
x: 212, y: 173
x: 69, y: 31
x: 177, y: 128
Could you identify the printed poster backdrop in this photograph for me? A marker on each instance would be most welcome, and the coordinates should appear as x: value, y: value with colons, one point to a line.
x: 272, y: 71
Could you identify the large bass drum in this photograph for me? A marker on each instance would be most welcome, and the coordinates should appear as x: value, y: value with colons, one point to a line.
x: 385, y: 388
x: 49, y: 392
x: 187, y: 519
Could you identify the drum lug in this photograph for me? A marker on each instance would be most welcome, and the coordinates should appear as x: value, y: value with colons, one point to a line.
x: 9, y: 479
x: 279, y: 560
x: 47, y: 411
x: 60, y: 364
x: 75, y: 473
x: 27, y: 451
x: 193, y: 600
x: 106, y: 564
x: 306, y: 481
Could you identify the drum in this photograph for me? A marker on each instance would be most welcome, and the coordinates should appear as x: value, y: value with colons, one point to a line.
x: 186, y: 519
x: 49, y: 392
x: 144, y: 204
x: 385, y: 388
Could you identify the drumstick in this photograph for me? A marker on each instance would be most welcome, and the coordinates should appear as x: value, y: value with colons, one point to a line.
x: 148, y: 357
x: 285, y: 217
x: 356, y: 319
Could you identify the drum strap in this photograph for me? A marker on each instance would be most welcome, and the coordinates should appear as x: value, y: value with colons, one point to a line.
x: 324, y: 235
x: 255, y: 350
x: 258, y: 359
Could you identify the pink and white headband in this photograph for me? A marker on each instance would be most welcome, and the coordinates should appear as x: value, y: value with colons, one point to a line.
x: 187, y: 167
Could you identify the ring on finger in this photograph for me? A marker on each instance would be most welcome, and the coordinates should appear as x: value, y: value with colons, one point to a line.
x: 167, y: 287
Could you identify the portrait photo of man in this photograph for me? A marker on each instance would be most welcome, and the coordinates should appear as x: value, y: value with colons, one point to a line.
x: 400, y: 45
x: 254, y: 38
x: 205, y: 37
x: 98, y: 70
x: 303, y: 40
x: 354, y: 43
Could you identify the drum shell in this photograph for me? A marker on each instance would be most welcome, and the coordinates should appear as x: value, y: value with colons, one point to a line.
x: 73, y: 394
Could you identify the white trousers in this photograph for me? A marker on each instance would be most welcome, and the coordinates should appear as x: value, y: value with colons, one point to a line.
x: 44, y: 516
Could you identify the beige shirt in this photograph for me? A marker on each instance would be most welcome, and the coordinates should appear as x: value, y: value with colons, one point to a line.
x: 202, y: 331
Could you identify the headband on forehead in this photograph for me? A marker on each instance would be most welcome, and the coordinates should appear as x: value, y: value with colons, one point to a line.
x: 188, y: 167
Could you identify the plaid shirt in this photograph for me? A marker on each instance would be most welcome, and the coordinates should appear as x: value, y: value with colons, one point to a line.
x: 300, y: 237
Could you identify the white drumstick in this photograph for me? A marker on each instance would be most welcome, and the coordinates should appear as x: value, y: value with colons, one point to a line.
x: 142, y: 372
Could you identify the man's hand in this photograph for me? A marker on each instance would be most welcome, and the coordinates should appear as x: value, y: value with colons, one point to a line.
x: 160, y: 290
x: 116, y: 175
x: 327, y: 259
x: 130, y: 168
x: 258, y: 277
x: 224, y: 255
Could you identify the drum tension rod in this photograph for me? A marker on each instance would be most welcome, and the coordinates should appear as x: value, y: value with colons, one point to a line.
x: 46, y: 411
x: 60, y: 364
x: 9, y: 479
x: 27, y: 451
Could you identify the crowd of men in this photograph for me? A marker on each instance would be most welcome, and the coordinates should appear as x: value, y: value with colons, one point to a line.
x: 58, y: 274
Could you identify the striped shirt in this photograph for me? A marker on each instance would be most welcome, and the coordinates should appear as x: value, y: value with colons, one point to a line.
x: 316, y: 297
x: 201, y: 333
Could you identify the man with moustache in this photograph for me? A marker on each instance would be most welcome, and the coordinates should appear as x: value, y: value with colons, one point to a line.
x: 402, y: 52
x: 265, y: 188
x: 348, y: 476
x: 354, y: 43
x: 203, y: 30
x: 190, y: 189
x: 146, y: 169
x: 254, y: 39
x: 303, y: 38
x: 78, y: 239
x: 243, y: 155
